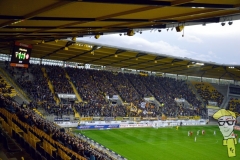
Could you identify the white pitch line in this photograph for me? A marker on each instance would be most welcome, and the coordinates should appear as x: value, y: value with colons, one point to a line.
x: 202, y: 142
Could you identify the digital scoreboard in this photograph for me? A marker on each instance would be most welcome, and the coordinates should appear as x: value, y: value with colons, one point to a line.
x: 21, y: 54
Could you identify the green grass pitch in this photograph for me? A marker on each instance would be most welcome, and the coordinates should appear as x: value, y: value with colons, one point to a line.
x: 164, y: 143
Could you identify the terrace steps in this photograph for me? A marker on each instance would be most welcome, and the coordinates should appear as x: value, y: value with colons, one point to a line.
x: 76, y: 114
x: 73, y: 87
x: 50, y: 86
x: 16, y: 89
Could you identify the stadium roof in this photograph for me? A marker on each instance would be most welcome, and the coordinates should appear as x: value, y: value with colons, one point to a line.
x: 60, y: 19
x: 98, y: 54
x: 35, y: 22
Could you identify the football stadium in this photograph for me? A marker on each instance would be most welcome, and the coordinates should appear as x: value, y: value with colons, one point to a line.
x: 63, y: 97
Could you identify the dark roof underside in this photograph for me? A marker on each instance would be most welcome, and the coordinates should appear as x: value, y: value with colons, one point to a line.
x: 49, y: 20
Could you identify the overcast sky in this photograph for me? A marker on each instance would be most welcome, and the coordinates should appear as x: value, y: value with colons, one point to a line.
x: 213, y: 42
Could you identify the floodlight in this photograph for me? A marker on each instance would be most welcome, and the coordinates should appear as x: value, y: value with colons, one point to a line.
x: 97, y: 36
x: 74, y: 38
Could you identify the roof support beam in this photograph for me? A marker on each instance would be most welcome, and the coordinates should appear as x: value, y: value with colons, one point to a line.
x: 234, y: 75
x: 238, y: 68
x: 182, y: 3
x: 176, y: 60
x: 159, y: 57
x: 105, y: 17
x: 214, y: 66
x: 202, y: 15
x: 140, y: 55
x: 93, y: 49
x: 161, y: 70
x: 217, y: 13
x: 137, y: 56
x: 231, y: 76
x: 137, y: 64
x: 120, y: 51
x: 67, y: 44
x: 207, y: 5
x: 34, y: 13
x: 203, y: 73
x: 133, y: 2
x: 223, y: 75
x: 156, y: 58
x: 117, y: 52
x: 193, y: 68
x: 178, y: 2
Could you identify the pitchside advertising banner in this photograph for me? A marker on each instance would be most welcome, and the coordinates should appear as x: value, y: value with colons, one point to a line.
x: 128, y: 124
x: 98, y: 126
x: 135, y: 125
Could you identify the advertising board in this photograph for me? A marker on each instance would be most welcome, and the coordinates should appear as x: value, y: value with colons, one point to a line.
x: 98, y: 126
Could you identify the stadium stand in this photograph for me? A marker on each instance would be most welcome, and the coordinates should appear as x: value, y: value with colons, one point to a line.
x: 85, y: 85
x: 165, y: 90
x: 208, y: 93
x: 33, y: 133
x: 234, y: 105
x: 93, y: 86
x: 44, y: 139
x: 5, y: 88
x: 139, y: 86
x: 58, y: 78
x: 124, y: 88
x: 89, y: 92
x: 38, y: 88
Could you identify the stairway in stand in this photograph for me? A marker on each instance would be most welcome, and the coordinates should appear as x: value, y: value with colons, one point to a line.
x: 50, y: 86
x: 76, y: 114
x: 73, y: 87
x: 16, y: 90
x: 13, y: 91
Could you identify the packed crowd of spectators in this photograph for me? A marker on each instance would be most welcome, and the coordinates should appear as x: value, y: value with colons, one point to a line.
x: 179, y: 89
x: 157, y: 90
x: 103, y: 83
x: 33, y: 81
x: 87, y: 87
x: 28, y: 116
x: 139, y: 85
x: 208, y: 93
x: 124, y: 88
x: 3, y: 87
x: 165, y: 90
x: 57, y: 76
x: 43, y: 92
x: 234, y: 105
x: 89, y: 109
x: 93, y: 87
x: 21, y: 75
x: 37, y: 86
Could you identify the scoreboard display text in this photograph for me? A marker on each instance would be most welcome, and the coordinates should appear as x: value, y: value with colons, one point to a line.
x: 21, y: 55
